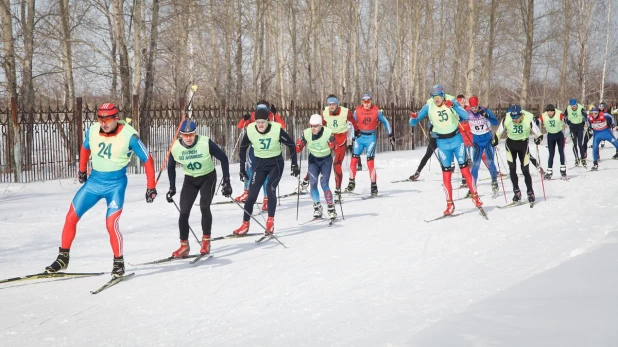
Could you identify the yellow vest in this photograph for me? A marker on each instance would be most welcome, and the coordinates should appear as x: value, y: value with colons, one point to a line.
x: 337, y: 124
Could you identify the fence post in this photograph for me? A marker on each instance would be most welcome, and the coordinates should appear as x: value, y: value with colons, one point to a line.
x: 79, y: 132
x: 16, y: 143
x: 393, y: 120
x: 135, y: 112
x: 226, y: 122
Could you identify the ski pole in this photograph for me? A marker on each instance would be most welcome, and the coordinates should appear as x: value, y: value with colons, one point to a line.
x: 542, y: 179
x: 221, y: 181
x: 182, y: 119
x: 255, y: 219
x: 300, y: 165
x: 500, y: 174
x: 196, y: 239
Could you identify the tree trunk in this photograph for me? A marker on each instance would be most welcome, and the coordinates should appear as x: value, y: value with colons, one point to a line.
x: 137, y: 46
x: 585, y: 14
x: 27, y: 28
x: 527, y: 11
x: 150, y: 74
x: 376, y: 51
x: 67, y: 54
x: 608, y: 24
x: 471, y: 46
x: 8, y: 64
x: 239, y: 54
x: 487, y: 68
x: 123, y: 55
x: 566, y: 27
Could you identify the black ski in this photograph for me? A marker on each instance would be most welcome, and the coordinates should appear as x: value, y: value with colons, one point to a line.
x: 201, y: 256
x: 44, y: 275
x: 443, y: 217
x: 165, y: 260
x: 232, y: 236
x: 371, y: 197
x: 407, y: 180
x: 113, y: 282
x: 264, y: 238
x: 483, y: 213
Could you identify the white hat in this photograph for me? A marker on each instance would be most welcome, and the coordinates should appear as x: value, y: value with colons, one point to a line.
x: 315, y: 119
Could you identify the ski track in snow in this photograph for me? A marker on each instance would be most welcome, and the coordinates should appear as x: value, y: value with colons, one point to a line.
x: 539, y: 276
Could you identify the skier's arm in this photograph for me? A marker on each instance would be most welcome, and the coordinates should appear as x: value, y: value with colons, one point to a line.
x: 84, y: 154
x: 138, y: 147
x: 387, y: 125
x: 216, y: 152
x: 242, y: 151
x: 171, y: 170
x: 352, y: 120
x: 493, y: 120
x: 500, y: 130
x: 424, y: 112
x: 300, y: 144
x: 535, y: 129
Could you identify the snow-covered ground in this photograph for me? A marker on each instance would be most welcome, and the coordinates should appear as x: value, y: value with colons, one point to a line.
x: 544, y: 276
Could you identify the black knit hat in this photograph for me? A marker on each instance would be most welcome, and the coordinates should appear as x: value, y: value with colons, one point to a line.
x: 550, y: 107
x: 261, y: 114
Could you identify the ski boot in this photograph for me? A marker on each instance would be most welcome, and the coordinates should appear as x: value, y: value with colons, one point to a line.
x: 244, y: 228
x: 270, y: 226
x: 548, y: 174
x: 415, y: 176
x: 563, y: 172
x: 464, y: 184
x: 595, y: 167
x: 374, y: 189
x: 317, y: 210
x: 615, y: 155
x: 118, y: 269
x: 337, y: 195
x: 494, y: 186
x: 531, y: 197
x: 183, y: 251
x: 351, y: 185
x: 205, y: 245
x: 450, y: 208
x: 304, y: 185
x: 469, y: 194
x: 332, y: 214
x: 517, y: 196
x: 265, y: 204
x: 576, y: 162
x: 584, y: 164
x: 477, y: 200
x: 61, y: 262
x: 242, y: 197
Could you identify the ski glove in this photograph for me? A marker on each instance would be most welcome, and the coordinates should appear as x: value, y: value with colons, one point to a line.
x: 151, y: 194
x: 295, y: 170
x: 246, y: 116
x: 170, y: 194
x: 483, y: 113
x: 391, y: 139
x: 413, y: 115
x: 226, y: 187
x: 273, y: 109
x: 82, y: 176
x: 448, y: 103
x: 537, y: 141
x: 243, y: 175
x: 495, y: 140
x: 357, y: 133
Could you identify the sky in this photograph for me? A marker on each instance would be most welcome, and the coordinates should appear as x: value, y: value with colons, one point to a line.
x: 542, y: 276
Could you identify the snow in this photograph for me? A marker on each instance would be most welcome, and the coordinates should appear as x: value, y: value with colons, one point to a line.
x: 382, y: 277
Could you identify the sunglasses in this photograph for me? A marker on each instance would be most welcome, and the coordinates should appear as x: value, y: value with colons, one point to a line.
x: 106, y: 120
x: 367, y: 101
x: 261, y: 122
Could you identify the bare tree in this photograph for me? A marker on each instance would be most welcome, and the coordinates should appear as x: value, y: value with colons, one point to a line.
x: 67, y: 53
x: 566, y: 27
x: 123, y: 54
x: 526, y: 8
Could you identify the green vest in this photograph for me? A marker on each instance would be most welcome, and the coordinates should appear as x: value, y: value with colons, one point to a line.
x: 519, y: 131
x: 576, y: 116
x: 553, y: 124
x: 337, y: 124
x: 444, y: 119
x: 265, y: 145
x: 110, y: 153
x: 319, y: 148
x: 196, y: 161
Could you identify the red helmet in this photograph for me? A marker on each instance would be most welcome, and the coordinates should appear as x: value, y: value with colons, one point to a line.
x: 107, y: 110
x: 474, y: 101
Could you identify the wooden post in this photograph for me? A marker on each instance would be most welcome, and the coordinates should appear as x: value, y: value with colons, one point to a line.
x: 393, y: 120
x: 79, y: 131
x: 16, y: 142
x: 135, y: 113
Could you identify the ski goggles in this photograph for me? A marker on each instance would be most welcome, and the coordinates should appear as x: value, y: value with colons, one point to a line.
x: 366, y: 101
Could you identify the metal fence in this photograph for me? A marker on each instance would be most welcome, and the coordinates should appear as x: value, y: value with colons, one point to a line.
x: 50, y: 138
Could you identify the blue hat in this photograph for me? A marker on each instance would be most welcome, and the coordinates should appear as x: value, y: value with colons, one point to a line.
x: 437, y: 90
x: 515, y: 111
x: 187, y: 127
x: 366, y: 97
x: 332, y: 100
x: 262, y: 107
x: 572, y: 102
x: 602, y: 105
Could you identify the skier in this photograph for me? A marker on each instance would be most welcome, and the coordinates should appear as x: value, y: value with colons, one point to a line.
x: 319, y: 141
x: 367, y: 117
x: 194, y: 152
x: 336, y: 118
x: 247, y: 119
x: 553, y: 121
x: 115, y: 141
x: 443, y: 116
x: 602, y: 124
x: 265, y: 137
x: 518, y: 123
x: 351, y: 138
x: 481, y: 119
x: 575, y: 119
